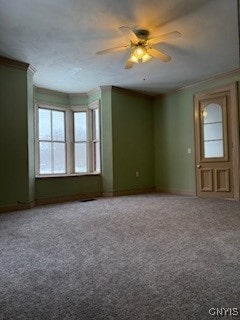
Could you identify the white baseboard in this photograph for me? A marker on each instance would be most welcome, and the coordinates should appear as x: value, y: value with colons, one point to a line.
x: 176, y: 191
x: 74, y: 197
x: 133, y: 192
x: 18, y: 207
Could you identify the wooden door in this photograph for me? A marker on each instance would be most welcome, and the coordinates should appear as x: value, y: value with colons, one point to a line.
x: 217, y: 144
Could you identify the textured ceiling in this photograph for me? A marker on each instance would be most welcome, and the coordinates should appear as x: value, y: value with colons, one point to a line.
x: 60, y: 37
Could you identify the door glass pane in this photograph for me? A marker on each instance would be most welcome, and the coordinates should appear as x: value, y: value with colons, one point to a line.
x: 59, y: 158
x: 213, y: 149
x: 80, y: 157
x: 44, y: 124
x: 58, y: 125
x: 213, y: 131
x: 45, y: 157
x: 212, y: 113
x: 80, y: 126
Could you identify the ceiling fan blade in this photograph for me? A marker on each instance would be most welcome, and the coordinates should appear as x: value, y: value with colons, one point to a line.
x: 120, y: 48
x: 129, y: 34
x: 164, y: 37
x: 129, y: 64
x: 159, y: 55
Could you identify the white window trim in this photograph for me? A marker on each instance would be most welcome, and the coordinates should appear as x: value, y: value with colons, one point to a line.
x: 69, y: 138
x: 92, y: 106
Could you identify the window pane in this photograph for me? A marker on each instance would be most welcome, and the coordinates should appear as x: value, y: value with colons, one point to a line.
x: 58, y: 129
x: 80, y: 157
x: 80, y: 126
x: 44, y: 124
x: 212, y: 113
x: 213, y: 131
x: 96, y: 124
x: 97, y: 156
x: 213, y: 149
x: 59, y: 158
x: 45, y: 157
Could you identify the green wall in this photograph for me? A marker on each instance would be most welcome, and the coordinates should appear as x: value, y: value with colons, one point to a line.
x: 76, y: 99
x: 174, y: 134
x: 107, y: 140
x: 174, y: 167
x: 56, y: 187
x: 51, y: 97
x: 31, y: 142
x: 16, y: 161
x: 139, y: 133
x: 133, y: 141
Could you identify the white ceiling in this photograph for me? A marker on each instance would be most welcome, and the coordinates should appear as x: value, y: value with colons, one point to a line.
x: 60, y: 37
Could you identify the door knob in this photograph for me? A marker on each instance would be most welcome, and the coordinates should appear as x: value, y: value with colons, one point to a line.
x: 198, y: 166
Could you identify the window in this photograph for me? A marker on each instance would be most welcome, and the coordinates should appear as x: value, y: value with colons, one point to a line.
x: 52, y: 142
x: 68, y: 140
x: 80, y: 141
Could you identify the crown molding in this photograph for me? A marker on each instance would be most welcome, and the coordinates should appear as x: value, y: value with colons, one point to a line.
x: 14, y: 63
x: 31, y: 69
x: 52, y: 92
x: 17, y: 64
x: 77, y: 95
x: 68, y: 95
x: 220, y: 76
x: 131, y: 92
x: 106, y: 88
x: 94, y: 91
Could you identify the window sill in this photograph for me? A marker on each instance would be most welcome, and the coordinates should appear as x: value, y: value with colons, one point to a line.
x: 47, y: 176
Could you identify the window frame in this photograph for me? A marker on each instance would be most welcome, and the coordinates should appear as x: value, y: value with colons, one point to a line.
x: 94, y: 139
x: 69, y: 138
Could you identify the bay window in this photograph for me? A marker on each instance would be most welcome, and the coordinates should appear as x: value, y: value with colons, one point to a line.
x: 67, y: 140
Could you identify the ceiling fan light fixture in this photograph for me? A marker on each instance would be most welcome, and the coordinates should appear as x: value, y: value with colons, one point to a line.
x: 133, y: 58
x: 140, y: 55
x: 139, y: 52
x: 146, y: 57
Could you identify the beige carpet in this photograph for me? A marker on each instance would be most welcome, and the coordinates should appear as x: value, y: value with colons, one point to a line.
x: 134, y: 257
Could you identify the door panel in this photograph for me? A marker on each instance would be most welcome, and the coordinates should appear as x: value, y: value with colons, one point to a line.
x: 222, y: 180
x: 206, y: 180
x: 215, y: 139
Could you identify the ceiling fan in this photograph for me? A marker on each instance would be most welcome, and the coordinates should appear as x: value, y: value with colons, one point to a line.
x: 141, y: 46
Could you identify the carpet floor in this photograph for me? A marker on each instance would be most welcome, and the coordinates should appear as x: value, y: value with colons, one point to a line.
x: 134, y: 257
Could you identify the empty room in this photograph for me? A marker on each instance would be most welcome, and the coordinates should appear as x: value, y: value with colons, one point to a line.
x: 120, y: 159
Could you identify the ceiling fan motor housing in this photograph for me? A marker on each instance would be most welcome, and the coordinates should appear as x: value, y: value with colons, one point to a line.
x: 142, y: 33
